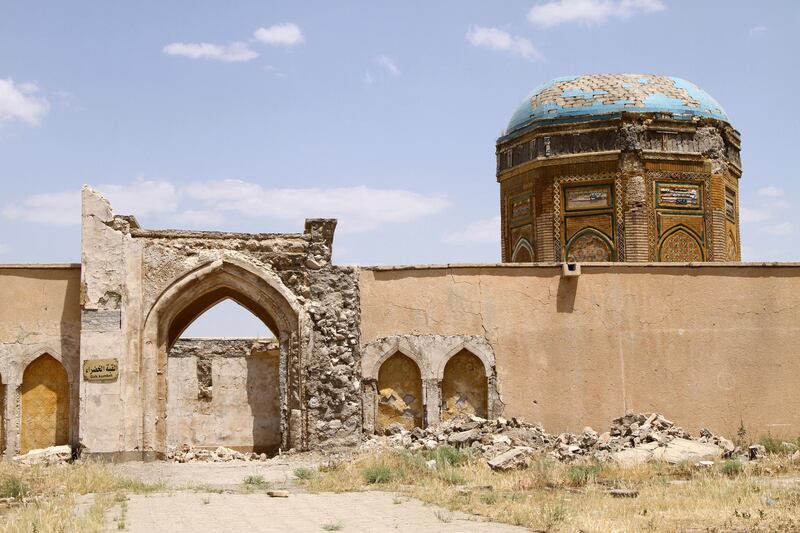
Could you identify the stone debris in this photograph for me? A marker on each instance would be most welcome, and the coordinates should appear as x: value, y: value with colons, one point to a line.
x: 513, y: 443
x: 756, y: 451
x: 54, y: 455
x: 516, y: 457
x: 186, y: 453
x: 278, y: 493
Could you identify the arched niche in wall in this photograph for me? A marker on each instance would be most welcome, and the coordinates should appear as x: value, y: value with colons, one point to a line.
x: 589, y: 245
x: 680, y: 244
x: 465, y: 386
x: 45, y: 404
x: 400, y: 399
x: 523, y: 252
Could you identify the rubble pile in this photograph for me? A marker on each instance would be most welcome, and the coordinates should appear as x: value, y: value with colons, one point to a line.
x: 513, y: 443
x: 54, y: 455
x: 186, y: 453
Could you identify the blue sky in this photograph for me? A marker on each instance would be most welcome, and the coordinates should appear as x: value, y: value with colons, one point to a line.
x: 253, y: 115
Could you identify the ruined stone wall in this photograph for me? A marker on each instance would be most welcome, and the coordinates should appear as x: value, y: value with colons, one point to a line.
x: 128, y: 274
x: 40, y: 314
x: 224, y: 392
x: 710, y: 346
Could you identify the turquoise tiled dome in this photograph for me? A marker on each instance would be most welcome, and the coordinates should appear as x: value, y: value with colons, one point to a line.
x: 599, y: 96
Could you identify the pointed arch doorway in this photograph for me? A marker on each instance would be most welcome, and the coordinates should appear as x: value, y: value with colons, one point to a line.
x: 256, y: 289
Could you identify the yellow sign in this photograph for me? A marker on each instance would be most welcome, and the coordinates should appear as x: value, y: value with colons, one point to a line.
x: 100, y: 369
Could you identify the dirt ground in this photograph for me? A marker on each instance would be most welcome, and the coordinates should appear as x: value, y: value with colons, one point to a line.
x: 209, y: 497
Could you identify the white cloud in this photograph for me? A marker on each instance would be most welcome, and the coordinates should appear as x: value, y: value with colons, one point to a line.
x: 748, y: 215
x: 141, y: 197
x: 234, y: 52
x: 484, y: 231
x: 203, y: 204
x: 770, y: 191
x: 497, y: 39
x: 20, y: 102
x: 558, y: 12
x: 286, y: 34
x: 357, y: 208
x: 56, y: 209
x: 757, y: 30
x: 779, y: 204
x: 272, y: 69
x: 367, y: 78
x: 389, y: 64
x: 777, y: 230
x: 198, y: 218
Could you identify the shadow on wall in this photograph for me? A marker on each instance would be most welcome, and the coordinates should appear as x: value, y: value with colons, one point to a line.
x: 565, y: 298
x: 263, y: 396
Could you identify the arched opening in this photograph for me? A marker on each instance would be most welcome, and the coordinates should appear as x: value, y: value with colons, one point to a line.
x: 224, y: 382
x: 45, y: 405
x: 262, y: 294
x: 680, y: 245
x: 399, y: 393
x: 465, y: 388
x: 588, y: 246
x: 523, y: 252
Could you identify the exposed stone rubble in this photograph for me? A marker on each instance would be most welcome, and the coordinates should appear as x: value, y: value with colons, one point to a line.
x: 513, y: 443
x: 53, y: 455
x: 186, y: 453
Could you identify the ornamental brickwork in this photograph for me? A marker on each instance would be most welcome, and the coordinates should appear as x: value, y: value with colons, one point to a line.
x: 638, y: 187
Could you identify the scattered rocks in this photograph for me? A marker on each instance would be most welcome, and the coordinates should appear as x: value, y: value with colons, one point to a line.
x: 53, y: 455
x: 186, y: 453
x: 508, y: 444
x: 518, y: 457
x: 680, y: 450
x: 278, y: 493
x: 756, y: 451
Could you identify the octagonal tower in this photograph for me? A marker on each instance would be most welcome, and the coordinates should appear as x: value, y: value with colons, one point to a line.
x: 619, y: 167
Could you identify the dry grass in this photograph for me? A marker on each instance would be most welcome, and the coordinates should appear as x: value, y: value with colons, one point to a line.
x: 552, y: 496
x: 44, y: 497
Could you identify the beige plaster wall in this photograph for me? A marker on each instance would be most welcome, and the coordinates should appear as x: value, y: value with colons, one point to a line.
x: 243, y: 411
x: 40, y: 313
x: 706, y: 345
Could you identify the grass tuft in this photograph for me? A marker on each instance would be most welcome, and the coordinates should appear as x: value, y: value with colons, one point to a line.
x: 12, y: 486
x: 256, y: 481
x: 448, y: 456
x: 580, y: 475
x: 377, y: 474
x: 303, y: 473
x: 732, y: 467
